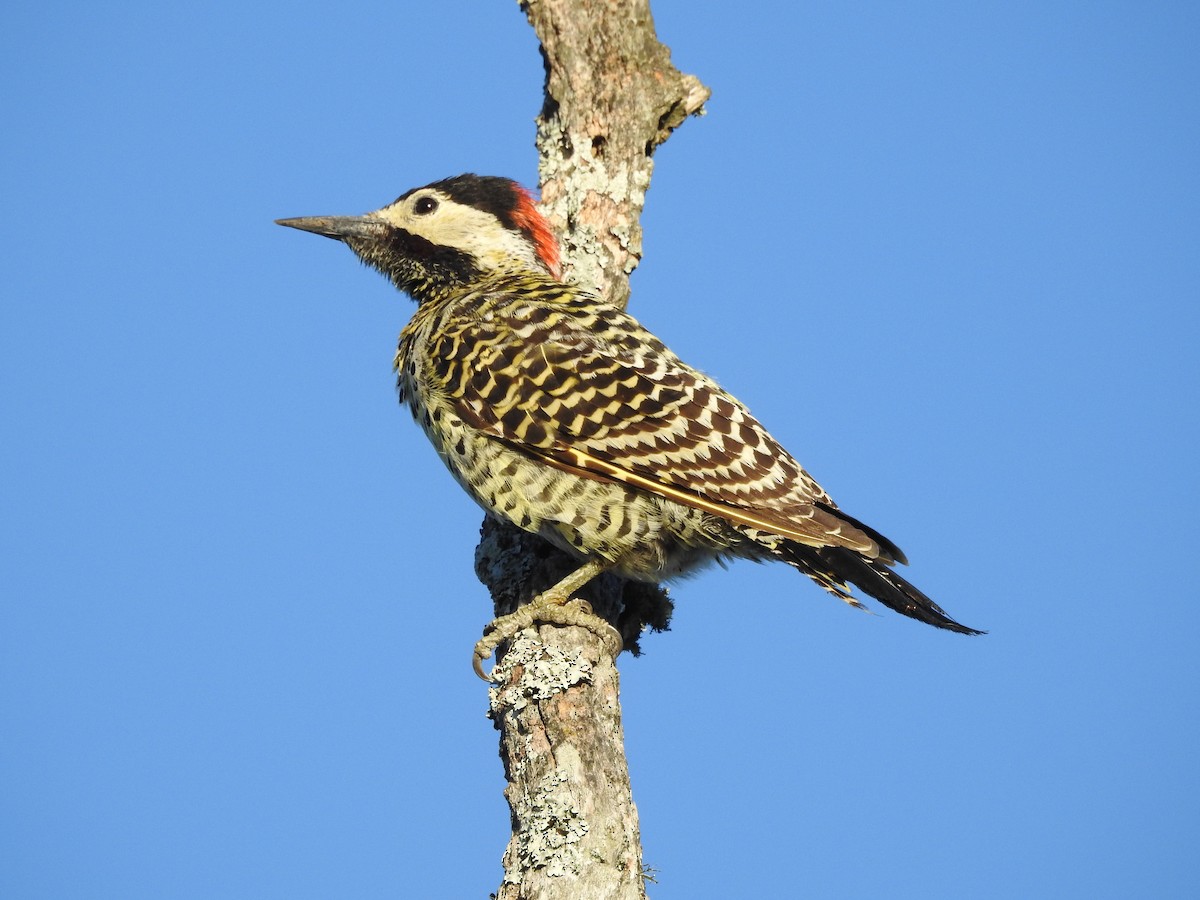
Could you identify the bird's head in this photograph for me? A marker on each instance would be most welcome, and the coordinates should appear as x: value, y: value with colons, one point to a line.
x: 433, y: 240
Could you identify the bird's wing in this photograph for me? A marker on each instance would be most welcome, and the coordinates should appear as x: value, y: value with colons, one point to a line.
x: 613, y: 403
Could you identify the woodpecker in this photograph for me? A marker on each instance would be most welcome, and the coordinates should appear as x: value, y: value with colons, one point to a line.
x: 564, y: 415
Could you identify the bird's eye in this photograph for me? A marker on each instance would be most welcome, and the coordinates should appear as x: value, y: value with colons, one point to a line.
x: 424, y: 206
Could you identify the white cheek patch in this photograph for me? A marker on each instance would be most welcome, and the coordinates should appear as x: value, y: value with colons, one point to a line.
x: 465, y: 228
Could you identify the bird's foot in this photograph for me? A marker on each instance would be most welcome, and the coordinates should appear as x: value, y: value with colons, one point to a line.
x: 555, y: 607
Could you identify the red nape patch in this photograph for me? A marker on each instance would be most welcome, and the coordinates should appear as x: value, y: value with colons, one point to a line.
x: 526, y: 217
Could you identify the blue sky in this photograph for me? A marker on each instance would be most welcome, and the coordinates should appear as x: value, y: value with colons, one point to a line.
x: 947, y: 252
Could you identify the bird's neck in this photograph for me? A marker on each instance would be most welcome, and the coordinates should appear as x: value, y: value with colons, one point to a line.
x: 497, y: 287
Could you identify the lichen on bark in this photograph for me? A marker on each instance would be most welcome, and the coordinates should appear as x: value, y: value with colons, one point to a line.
x: 612, y: 97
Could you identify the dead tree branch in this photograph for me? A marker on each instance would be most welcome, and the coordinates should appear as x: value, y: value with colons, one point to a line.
x: 612, y: 97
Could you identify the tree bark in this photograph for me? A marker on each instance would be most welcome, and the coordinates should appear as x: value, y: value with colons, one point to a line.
x: 611, y: 97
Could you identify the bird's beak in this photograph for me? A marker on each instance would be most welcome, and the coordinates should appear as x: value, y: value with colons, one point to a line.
x: 340, y: 228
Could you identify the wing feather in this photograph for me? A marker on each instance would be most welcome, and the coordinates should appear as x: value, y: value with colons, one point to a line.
x: 626, y: 409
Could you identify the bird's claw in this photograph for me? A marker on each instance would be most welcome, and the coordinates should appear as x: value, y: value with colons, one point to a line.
x: 551, y: 611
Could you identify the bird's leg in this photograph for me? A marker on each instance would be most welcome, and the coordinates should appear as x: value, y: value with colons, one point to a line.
x: 550, y: 606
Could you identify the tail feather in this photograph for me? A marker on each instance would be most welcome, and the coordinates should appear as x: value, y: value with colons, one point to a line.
x: 833, y: 567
